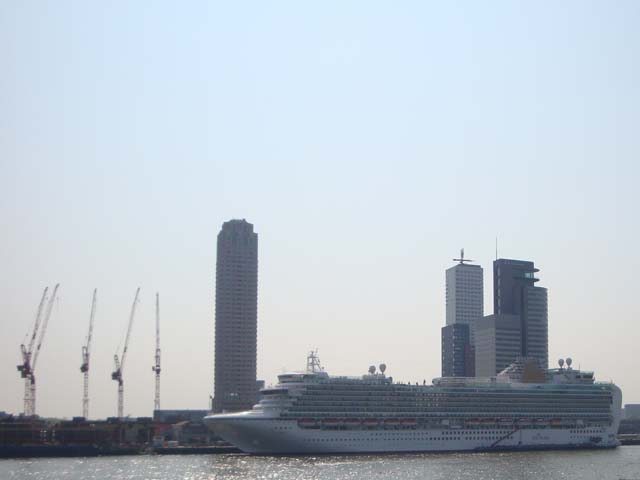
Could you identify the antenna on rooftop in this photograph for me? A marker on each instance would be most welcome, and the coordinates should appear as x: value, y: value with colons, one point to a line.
x: 462, y: 260
x: 313, y: 362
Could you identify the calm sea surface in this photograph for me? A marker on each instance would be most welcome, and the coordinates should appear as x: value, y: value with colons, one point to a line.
x: 621, y: 463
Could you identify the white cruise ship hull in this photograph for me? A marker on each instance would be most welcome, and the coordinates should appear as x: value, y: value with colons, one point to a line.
x: 264, y: 436
x: 522, y: 408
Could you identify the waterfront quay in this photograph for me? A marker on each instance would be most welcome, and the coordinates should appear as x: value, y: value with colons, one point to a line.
x: 25, y: 437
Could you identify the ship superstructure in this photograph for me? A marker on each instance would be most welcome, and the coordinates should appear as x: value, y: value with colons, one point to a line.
x: 523, y: 407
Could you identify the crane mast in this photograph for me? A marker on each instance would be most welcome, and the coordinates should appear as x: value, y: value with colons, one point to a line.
x: 25, y: 368
x: 86, y: 353
x: 119, y: 361
x: 156, y: 367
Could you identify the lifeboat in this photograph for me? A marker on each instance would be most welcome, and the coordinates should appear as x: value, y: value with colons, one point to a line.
x: 371, y: 422
x: 505, y: 421
x: 308, y: 422
x: 331, y: 422
x: 409, y: 422
x: 352, y: 422
x: 488, y: 421
x: 472, y: 421
x: 556, y: 421
x: 391, y: 422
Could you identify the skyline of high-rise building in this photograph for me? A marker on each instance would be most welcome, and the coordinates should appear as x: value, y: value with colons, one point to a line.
x: 464, y: 298
x: 236, y: 310
x: 519, y: 325
x: 515, y: 293
x: 498, y: 343
x: 464, y: 291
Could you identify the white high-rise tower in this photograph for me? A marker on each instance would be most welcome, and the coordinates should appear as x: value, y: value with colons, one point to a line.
x: 464, y: 294
x: 464, y: 307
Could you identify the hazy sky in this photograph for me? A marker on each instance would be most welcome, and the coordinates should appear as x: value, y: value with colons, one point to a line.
x: 366, y: 141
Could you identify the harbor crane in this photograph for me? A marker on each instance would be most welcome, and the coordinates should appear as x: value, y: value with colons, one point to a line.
x: 86, y: 354
x: 156, y: 367
x: 29, y: 356
x: 119, y: 361
x: 25, y: 367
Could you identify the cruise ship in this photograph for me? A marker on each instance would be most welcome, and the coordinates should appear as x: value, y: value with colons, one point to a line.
x: 521, y: 408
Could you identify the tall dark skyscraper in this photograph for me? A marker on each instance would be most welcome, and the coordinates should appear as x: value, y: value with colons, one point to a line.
x: 236, y: 317
x: 515, y: 293
x: 515, y: 299
x: 510, y: 280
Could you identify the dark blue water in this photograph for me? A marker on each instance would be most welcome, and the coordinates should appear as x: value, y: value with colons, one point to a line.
x: 621, y: 463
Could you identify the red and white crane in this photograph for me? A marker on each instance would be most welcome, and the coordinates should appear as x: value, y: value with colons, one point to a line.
x: 29, y: 356
x: 25, y: 367
x: 156, y: 367
x: 86, y: 354
x: 119, y: 361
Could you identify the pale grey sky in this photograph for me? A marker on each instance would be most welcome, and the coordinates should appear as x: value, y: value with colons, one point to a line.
x: 366, y: 141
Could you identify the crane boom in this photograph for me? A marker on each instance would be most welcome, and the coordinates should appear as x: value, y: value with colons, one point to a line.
x: 86, y: 349
x: 25, y: 367
x: 86, y: 352
x: 45, y: 323
x: 156, y: 367
x: 157, y: 322
x: 94, y: 304
x: 126, y: 340
x: 36, y: 324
